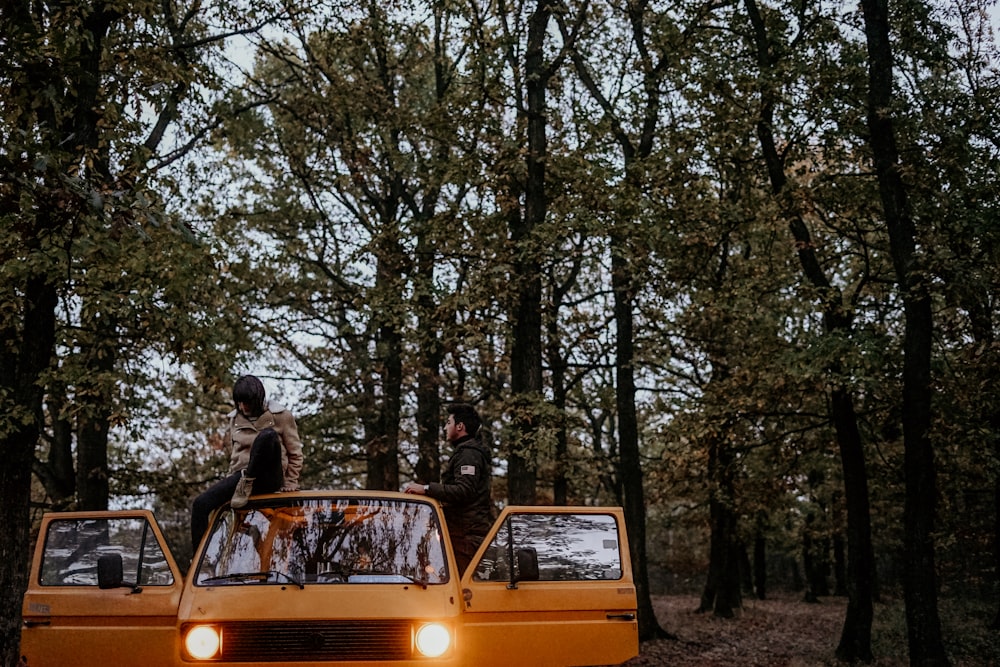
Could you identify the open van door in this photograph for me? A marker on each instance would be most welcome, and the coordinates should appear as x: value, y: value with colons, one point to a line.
x: 104, y: 590
x: 551, y: 586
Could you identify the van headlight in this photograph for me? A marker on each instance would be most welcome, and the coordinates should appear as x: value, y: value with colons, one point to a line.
x: 203, y: 642
x: 432, y: 640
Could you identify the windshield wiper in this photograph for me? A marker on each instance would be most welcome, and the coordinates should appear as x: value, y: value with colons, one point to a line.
x: 240, y: 576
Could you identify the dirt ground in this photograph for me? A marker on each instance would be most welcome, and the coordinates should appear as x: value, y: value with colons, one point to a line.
x: 784, y: 632
x: 781, y: 632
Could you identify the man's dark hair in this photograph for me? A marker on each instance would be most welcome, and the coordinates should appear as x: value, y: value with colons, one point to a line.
x: 466, y: 414
x: 250, y: 390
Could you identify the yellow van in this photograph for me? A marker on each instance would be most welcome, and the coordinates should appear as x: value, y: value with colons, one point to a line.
x: 326, y: 578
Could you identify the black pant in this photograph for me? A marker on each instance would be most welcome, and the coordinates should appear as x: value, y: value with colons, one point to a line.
x: 465, y: 547
x: 264, y: 467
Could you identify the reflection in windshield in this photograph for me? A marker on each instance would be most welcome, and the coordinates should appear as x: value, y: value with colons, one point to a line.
x: 330, y: 541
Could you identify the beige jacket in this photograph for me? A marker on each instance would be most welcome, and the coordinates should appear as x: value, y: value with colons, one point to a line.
x: 242, y: 432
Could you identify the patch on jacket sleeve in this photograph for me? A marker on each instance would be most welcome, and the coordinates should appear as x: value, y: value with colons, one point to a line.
x: 467, y: 470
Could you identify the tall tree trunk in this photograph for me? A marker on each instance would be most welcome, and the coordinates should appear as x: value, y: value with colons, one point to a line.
x: 996, y: 522
x: 557, y: 366
x: 855, y: 639
x: 633, y: 152
x: 431, y: 350
x: 29, y: 346
x: 628, y: 438
x: 856, y: 634
x: 839, y: 565
x: 560, y: 390
x: 383, y: 449
x: 977, y: 302
x: 428, y: 468
x: 57, y: 473
x: 526, y: 349
x: 760, y: 559
x: 722, y: 594
x: 95, y: 403
x: 630, y: 484
x: 28, y: 353
x: 809, y: 566
x: 920, y: 577
x: 92, y: 476
x: 387, y: 467
x: 975, y: 299
x: 610, y: 474
x: 95, y: 400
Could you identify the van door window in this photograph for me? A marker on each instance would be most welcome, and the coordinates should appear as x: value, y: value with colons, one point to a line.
x: 73, y: 547
x: 570, y: 547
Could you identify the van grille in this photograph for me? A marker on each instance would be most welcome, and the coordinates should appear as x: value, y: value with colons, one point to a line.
x: 316, y: 641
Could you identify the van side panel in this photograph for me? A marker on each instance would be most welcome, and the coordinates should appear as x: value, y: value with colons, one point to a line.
x: 360, y: 577
x: 69, y: 619
x: 575, y: 601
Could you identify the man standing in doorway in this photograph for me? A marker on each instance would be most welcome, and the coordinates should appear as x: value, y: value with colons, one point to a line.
x: 464, y: 490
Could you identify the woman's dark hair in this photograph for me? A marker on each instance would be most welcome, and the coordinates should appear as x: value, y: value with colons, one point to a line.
x: 250, y: 390
x: 466, y: 414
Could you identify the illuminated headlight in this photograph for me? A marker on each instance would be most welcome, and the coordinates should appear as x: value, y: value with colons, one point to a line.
x: 432, y: 640
x: 203, y: 642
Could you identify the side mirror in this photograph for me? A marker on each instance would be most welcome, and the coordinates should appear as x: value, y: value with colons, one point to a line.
x: 527, y: 566
x: 109, y: 571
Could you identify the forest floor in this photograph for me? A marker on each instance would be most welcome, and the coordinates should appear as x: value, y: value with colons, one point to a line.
x: 786, y: 631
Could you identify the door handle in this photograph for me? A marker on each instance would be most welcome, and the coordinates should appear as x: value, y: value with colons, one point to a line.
x: 621, y: 617
x: 31, y: 623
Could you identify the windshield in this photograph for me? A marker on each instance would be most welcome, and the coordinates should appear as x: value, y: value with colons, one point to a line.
x: 325, y: 541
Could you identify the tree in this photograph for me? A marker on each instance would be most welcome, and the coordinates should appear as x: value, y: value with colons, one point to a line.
x: 920, y: 578
x: 654, y: 60
x: 945, y: 122
x: 855, y: 642
x: 92, y: 269
x: 525, y: 276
